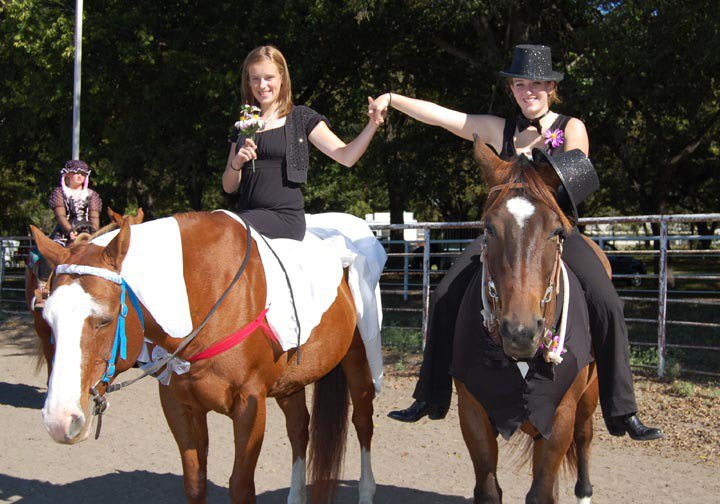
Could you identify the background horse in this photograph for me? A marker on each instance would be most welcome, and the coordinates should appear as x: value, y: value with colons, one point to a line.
x: 524, y: 227
x: 82, y: 311
x: 44, y: 334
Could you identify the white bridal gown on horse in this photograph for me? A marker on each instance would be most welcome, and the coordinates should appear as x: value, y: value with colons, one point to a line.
x: 153, y: 268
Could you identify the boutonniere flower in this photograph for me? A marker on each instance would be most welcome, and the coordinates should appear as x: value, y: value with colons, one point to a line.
x: 554, y: 138
x: 551, y: 348
x: 250, y: 123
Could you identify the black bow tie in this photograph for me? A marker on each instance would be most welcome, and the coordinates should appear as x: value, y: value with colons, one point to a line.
x: 524, y: 123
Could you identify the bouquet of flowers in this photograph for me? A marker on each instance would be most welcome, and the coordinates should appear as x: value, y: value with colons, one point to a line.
x: 250, y: 123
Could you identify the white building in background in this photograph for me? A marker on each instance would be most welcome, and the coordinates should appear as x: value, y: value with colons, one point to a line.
x: 384, y: 218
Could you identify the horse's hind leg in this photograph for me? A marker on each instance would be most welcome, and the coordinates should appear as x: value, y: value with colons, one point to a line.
x: 482, y: 444
x: 297, y: 420
x: 583, y: 435
x: 191, y: 435
x: 362, y: 393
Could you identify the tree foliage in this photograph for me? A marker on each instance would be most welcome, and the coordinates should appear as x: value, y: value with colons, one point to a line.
x: 161, y: 88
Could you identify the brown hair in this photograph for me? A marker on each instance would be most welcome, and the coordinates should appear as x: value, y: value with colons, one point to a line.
x: 273, y: 54
x: 553, y: 97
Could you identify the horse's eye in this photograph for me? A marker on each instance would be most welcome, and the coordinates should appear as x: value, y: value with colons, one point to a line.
x: 102, y: 323
x: 490, y: 230
x: 559, y: 232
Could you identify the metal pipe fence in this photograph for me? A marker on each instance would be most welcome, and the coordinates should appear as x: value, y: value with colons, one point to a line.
x: 423, y: 248
x: 434, y: 256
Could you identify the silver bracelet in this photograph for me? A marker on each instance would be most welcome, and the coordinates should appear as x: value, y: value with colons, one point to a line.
x: 390, y: 101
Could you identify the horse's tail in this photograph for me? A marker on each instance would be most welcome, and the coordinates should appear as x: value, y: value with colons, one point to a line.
x: 328, y: 434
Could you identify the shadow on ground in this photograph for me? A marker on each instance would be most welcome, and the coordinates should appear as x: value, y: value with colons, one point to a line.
x: 20, y: 395
x: 144, y: 486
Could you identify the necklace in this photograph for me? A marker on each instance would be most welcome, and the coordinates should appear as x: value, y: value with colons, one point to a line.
x: 270, y: 119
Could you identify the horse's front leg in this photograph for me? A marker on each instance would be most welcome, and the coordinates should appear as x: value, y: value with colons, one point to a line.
x: 548, y: 456
x: 191, y: 435
x: 297, y: 420
x: 249, y: 429
x: 482, y: 444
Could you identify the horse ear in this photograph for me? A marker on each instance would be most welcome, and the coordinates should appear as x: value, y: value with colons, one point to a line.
x: 487, y: 159
x: 115, y: 217
x: 115, y: 251
x: 139, y: 217
x: 50, y: 250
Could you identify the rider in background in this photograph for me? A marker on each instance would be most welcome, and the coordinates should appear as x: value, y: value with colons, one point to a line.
x: 533, y: 84
x: 77, y: 208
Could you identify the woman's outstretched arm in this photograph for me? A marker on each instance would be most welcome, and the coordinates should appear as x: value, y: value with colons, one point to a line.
x: 348, y: 154
x: 458, y: 123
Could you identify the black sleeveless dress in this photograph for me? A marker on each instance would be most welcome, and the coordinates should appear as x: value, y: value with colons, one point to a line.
x: 607, y: 323
x: 271, y: 203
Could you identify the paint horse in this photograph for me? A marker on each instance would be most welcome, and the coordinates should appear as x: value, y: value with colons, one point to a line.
x: 42, y: 330
x: 83, y: 311
x: 524, y: 228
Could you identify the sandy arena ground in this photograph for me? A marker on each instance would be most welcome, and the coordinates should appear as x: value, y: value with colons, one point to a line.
x: 136, y: 460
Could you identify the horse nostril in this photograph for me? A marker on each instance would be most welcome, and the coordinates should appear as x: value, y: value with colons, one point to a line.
x: 76, y: 425
x: 540, y: 323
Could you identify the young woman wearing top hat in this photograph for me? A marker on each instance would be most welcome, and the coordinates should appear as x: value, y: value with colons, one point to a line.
x: 533, y: 84
x: 270, y: 195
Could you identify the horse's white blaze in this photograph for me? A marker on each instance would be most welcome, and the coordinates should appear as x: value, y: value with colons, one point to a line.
x: 584, y: 500
x: 65, y: 311
x: 521, y: 209
x: 367, y: 480
x: 298, y: 487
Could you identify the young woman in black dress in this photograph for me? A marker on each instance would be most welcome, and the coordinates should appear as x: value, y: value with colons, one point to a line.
x: 533, y: 84
x: 270, y: 196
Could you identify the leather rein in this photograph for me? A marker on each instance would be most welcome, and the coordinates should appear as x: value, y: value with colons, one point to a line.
x: 552, y: 344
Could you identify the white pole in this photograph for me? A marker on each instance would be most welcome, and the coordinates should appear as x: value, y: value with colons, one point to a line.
x: 76, y: 85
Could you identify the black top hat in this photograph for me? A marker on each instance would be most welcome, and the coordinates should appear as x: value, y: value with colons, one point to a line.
x: 533, y: 62
x: 577, y: 176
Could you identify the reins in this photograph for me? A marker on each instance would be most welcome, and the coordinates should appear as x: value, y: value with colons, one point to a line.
x: 151, y: 370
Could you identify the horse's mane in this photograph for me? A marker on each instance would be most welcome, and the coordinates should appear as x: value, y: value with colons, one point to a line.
x: 521, y: 171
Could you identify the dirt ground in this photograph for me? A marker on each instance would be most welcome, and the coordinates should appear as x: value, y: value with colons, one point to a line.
x: 136, y: 460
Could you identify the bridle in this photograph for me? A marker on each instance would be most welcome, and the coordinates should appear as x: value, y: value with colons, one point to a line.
x: 492, y: 304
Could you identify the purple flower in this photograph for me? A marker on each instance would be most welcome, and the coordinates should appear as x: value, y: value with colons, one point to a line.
x: 554, y: 138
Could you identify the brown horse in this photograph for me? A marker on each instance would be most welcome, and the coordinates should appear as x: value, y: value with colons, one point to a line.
x: 524, y: 228
x: 42, y: 329
x: 83, y: 309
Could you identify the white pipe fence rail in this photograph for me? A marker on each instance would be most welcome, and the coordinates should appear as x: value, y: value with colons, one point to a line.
x: 662, y: 253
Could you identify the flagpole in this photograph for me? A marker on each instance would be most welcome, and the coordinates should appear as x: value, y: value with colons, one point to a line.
x: 76, y: 79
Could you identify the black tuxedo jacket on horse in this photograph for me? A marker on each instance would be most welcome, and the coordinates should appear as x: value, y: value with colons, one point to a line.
x: 496, y: 381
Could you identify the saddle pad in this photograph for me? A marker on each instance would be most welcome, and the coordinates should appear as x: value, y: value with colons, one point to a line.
x: 332, y: 242
x: 161, y: 289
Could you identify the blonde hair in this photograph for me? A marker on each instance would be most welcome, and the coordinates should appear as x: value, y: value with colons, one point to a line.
x: 273, y: 54
x: 553, y: 97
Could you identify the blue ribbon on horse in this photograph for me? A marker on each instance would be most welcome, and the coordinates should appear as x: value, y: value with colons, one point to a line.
x: 120, y: 342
